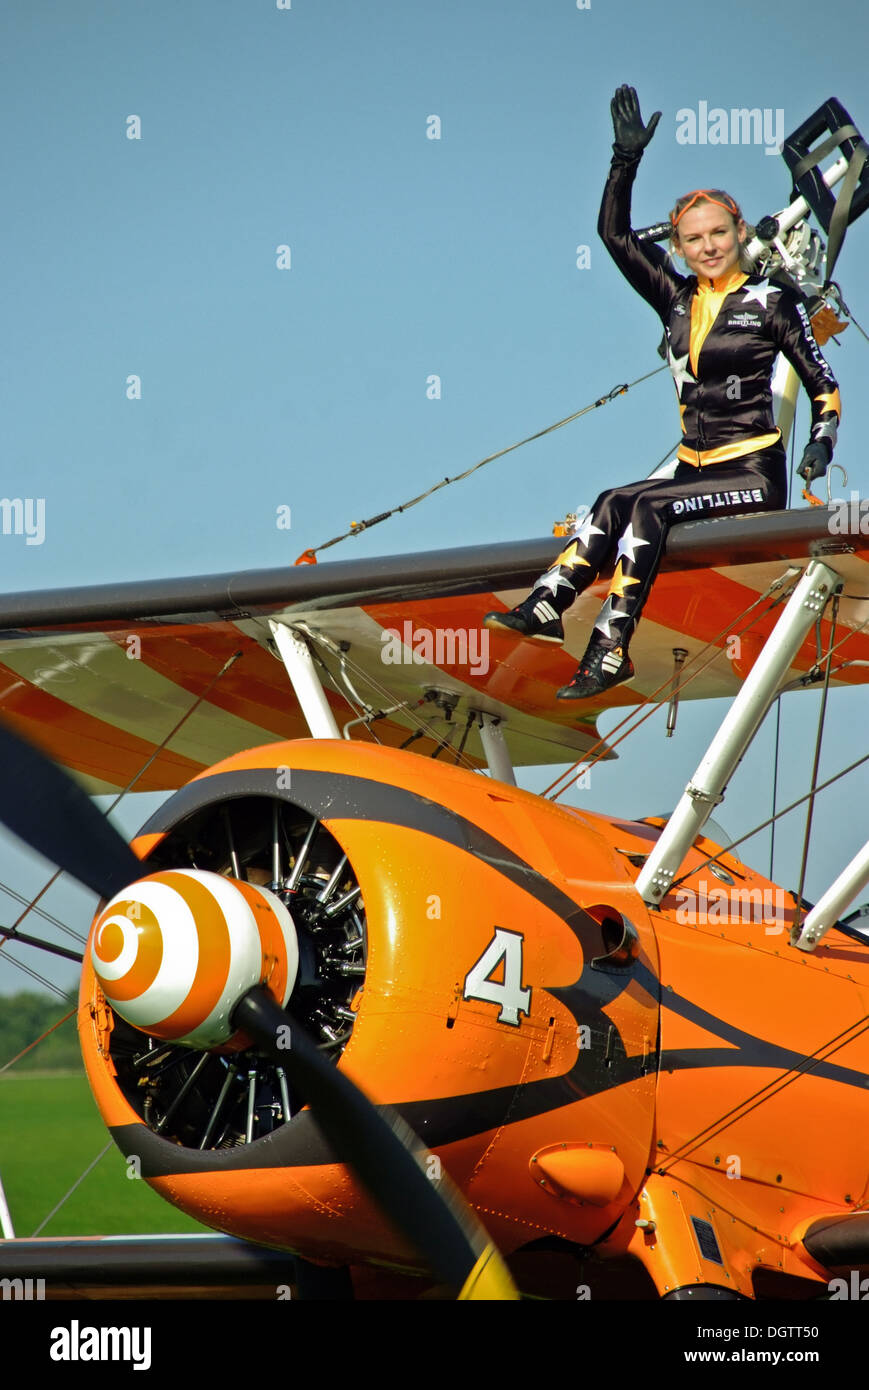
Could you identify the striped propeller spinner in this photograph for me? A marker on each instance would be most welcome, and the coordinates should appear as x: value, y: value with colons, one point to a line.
x: 176, y: 951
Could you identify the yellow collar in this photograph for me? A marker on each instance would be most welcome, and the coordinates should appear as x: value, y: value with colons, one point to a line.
x: 705, y: 308
x: 724, y: 284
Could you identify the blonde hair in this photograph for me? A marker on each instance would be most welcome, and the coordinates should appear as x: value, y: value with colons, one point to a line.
x: 730, y: 205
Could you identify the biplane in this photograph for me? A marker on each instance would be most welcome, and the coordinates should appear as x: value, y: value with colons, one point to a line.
x: 353, y: 995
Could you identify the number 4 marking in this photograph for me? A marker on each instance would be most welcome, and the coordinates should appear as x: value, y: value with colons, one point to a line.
x: 514, y: 1000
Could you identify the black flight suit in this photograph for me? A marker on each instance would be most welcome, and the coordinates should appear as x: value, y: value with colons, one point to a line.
x: 722, y: 338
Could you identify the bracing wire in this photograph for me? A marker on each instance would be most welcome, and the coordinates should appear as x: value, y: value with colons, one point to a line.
x: 46, y: 916
x: 66, y: 1196
x: 36, y: 1041
x: 357, y: 527
x: 822, y: 786
x: 650, y: 703
x: 423, y: 725
x: 815, y: 763
x: 34, y: 975
x: 767, y: 1091
x: 11, y: 933
x: 777, y: 743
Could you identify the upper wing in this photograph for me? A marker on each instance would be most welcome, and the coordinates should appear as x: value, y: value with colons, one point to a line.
x: 150, y: 682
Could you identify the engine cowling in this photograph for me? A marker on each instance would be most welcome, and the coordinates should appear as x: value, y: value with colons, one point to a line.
x: 467, y: 952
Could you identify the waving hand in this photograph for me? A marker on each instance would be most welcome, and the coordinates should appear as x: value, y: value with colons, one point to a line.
x: 630, y: 133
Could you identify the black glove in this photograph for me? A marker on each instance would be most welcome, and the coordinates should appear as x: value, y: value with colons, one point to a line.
x: 815, y: 461
x: 632, y: 136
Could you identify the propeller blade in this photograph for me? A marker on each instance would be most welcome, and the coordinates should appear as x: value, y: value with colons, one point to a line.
x: 46, y: 809
x: 450, y: 1237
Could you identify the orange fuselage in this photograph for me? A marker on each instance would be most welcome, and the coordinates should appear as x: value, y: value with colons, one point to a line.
x: 576, y: 1062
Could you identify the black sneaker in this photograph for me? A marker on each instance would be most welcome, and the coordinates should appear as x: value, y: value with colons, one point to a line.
x: 600, y: 669
x: 534, y: 618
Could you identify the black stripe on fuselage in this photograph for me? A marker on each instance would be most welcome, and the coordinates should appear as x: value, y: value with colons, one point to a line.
x: 341, y: 796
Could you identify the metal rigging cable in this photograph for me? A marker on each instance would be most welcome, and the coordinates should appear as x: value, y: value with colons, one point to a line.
x: 309, y: 557
x: 12, y: 933
x: 766, y: 1092
x: 778, y: 702
x: 36, y: 1041
x: 650, y: 703
x: 815, y: 762
x: 822, y: 786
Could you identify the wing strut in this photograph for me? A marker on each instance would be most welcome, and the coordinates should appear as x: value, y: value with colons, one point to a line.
x: 7, y: 1230
x: 740, y: 724
x: 296, y: 656
x: 496, y: 750
x: 826, y: 912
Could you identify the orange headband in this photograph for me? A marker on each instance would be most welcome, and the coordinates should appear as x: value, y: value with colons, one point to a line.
x: 706, y: 193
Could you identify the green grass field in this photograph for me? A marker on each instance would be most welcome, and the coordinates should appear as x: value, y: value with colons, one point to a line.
x: 50, y: 1132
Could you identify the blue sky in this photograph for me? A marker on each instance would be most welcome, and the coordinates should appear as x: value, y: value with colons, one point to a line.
x: 306, y: 387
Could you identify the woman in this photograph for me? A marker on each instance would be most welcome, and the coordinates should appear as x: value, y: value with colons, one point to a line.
x: 724, y: 328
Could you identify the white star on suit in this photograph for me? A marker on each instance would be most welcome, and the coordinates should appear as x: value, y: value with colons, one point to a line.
x: 629, y: 543
x: 826, y: 430
x: 678, y: 366
x: 760, y: 292
x: 552, y: 580
x: 586, y: 531
x: 609, y: 614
